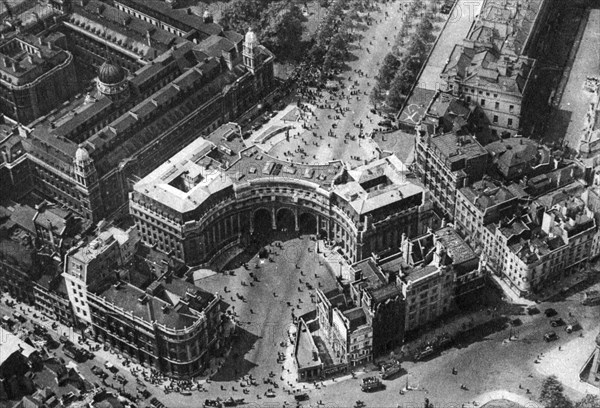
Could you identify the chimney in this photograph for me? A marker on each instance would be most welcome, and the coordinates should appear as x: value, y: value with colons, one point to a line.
x: 40, y: 41
x: 149, y: 38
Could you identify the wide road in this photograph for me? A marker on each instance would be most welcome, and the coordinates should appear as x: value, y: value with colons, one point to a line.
x: 456, y: 29
x: 575, y: 102
x: 356, y: 84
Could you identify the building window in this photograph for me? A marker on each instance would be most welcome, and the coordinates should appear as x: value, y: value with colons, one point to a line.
x: 483, y: 102
x: 495, y: 118
x: 510, y: 122
x: 511, y: 108
x: 497, y: 106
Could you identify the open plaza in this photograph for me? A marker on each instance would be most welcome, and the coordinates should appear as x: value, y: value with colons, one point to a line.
x: 189, y: 234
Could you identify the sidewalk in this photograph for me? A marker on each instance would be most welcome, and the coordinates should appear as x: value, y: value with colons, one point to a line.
x: 506, y: 395
x: 567, y: 362
x: 510, y: 293
x: 337, y: 264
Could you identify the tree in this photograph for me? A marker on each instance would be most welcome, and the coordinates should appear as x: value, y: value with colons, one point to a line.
x: 552, y: 394
x: 395, y: 97
x: 589, y: 401
x: 425, y: 30
x: 281, y: 28
x: 388, y: 70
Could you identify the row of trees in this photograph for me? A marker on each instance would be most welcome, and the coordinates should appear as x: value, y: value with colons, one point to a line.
x: 334, y: 33
x: 399, y: 71
x: 552, y: 396
x: 277, y: 23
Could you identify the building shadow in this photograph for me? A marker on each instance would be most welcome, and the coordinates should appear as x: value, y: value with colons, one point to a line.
x: 235, y: 365
x: 559, y: 123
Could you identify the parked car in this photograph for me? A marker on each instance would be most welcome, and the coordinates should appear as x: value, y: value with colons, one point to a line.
x: 550, y: 312
x: 301, y: 397
x: 557, y: 322
x: 572, y: 325
x: 533, y: 311
x: 550, y: 336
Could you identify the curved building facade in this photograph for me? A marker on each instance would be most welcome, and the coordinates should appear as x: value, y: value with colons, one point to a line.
x: 197, y: 204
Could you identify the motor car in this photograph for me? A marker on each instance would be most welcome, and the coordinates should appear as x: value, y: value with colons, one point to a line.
x: 557, y: 322
x: 550, y: 336
x: 301, y: 397
x: 572, y: 325
x: 516, y: 322
x: 212, y: 403
x: 550, y: 312
x: 533, y: 311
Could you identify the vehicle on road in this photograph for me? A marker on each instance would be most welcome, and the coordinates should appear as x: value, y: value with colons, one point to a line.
x: 557, y: 322
x: 572, y: 325
x: 99, y: 372
x: 389, y: 369
x: 550, y: 312
x: 422, y: 354
x: 591, y: 298
x: 533, y: 311
x: 301, y: 397
x: 211, y: 403
x: 371, y: 384
x: 550, y: 336
x: 447, y: 6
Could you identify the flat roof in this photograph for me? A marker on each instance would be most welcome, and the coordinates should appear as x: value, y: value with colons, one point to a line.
x: 455, y: 246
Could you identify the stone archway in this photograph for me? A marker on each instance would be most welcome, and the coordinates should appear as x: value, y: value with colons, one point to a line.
x: 286, y: 220
x: 307, y: 223
x: 262, y: 221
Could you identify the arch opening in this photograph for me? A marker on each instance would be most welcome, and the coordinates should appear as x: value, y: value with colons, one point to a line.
x: 286, y: 220
x: 307, y: 223
x: 262, y: 221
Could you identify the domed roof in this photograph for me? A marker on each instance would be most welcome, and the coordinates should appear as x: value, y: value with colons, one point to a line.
x: 110, y: 73
x: 251, y: 39
x: 81, y: 155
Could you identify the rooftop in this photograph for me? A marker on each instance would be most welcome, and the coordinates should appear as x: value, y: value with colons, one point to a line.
x: 454, y: 245
x: 486, y: 194
x: 307, y: 353
x: 454, y: 148
x: 25, y: 57
x: 176, y: 304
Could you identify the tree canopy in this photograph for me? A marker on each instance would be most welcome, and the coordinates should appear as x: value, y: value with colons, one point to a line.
x: 278, y: 24
x: 552, y: 394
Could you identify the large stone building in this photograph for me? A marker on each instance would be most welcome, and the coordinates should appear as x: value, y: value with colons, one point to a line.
x: 217, y: 192
x: 37, y: 72
x: 171, y: 325
x: 92, y: 266
x: 446, y: 163
x: 532, y: 251
x: 493, y: 68
x: 156, y: 90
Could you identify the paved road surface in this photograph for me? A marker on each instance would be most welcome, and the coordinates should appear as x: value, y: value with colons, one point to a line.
x: 587, y: 63
x: 456, y: 29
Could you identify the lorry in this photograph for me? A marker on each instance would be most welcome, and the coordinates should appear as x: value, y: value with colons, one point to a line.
x: 591, y: 298
x: 389, y: 369
x: 371, y: 384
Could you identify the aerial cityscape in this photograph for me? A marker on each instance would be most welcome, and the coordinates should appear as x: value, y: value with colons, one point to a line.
x: 283, y: 203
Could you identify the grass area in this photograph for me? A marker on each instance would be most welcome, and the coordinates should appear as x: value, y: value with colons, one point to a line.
x: 502, y: 404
